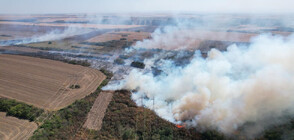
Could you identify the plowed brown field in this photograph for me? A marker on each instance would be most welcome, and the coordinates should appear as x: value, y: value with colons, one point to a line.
x: 45, y: 83
x: 12, y: 128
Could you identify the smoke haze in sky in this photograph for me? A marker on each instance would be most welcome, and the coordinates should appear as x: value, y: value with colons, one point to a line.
x: 112, y: 6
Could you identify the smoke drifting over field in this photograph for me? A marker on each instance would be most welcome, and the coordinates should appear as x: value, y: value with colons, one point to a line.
x: 246, y: 86
x: 50, y: 36
x: 170, y: 37
x: 57, y: 34
x: 183, y: 37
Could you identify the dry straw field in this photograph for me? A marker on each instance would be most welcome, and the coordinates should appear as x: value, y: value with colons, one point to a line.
x: 45, y: 83
x: 97, y: 112
x: 12, y: 128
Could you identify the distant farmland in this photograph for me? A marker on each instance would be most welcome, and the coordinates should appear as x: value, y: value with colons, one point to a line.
x: 44, y: 83
x: 129, y: 36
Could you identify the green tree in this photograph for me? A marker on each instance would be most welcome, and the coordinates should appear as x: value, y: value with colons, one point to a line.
x: 129, y: 134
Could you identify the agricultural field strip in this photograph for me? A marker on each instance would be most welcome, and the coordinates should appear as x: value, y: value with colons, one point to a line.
x: 49, y: 80
x: 58, y: 101
x: 26, y: 132
x: 6, y: 130
x: 48, y: 101
x: 39, y: 88
x: 17, y: 92
x: 32, y: 87
x: 11, y: 127
x: 38, y: 74
x: 90, y: 88
x: 64, y: 94
x: 64, y: 90
x: 57, y: 67
x: 97, y: 112
x: 48, y: 85
x: 98, y: 76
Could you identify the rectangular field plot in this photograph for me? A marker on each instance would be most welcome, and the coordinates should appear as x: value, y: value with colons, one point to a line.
x: 45, y: 83
x: 96, y: 114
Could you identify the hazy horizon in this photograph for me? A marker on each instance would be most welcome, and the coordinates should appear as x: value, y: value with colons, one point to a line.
x: 144, y: 6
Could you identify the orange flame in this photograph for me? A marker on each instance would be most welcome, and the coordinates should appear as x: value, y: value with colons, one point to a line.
x: 179, y: 126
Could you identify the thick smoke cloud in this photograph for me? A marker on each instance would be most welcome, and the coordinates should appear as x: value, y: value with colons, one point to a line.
x: 227, y: 90
x: 183, y: 37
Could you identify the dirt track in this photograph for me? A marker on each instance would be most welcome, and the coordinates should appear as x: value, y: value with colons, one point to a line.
x: 12, y: 128
x: 97, y: 112
x: 45, y: 83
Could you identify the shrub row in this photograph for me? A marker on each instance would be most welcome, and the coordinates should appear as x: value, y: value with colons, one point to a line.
x: 19, y: 109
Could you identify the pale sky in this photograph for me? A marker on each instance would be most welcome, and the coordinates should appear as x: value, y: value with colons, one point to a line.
x: 133, y: 6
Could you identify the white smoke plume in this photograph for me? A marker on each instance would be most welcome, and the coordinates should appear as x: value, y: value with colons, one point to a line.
x: 50, y: 36
x: 226, y: 90
x: 57, y: 34
x: 183, y: 37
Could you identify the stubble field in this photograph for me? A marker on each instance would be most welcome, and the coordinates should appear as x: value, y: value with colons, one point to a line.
x: 45, y: 83
x: 12, y: 128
